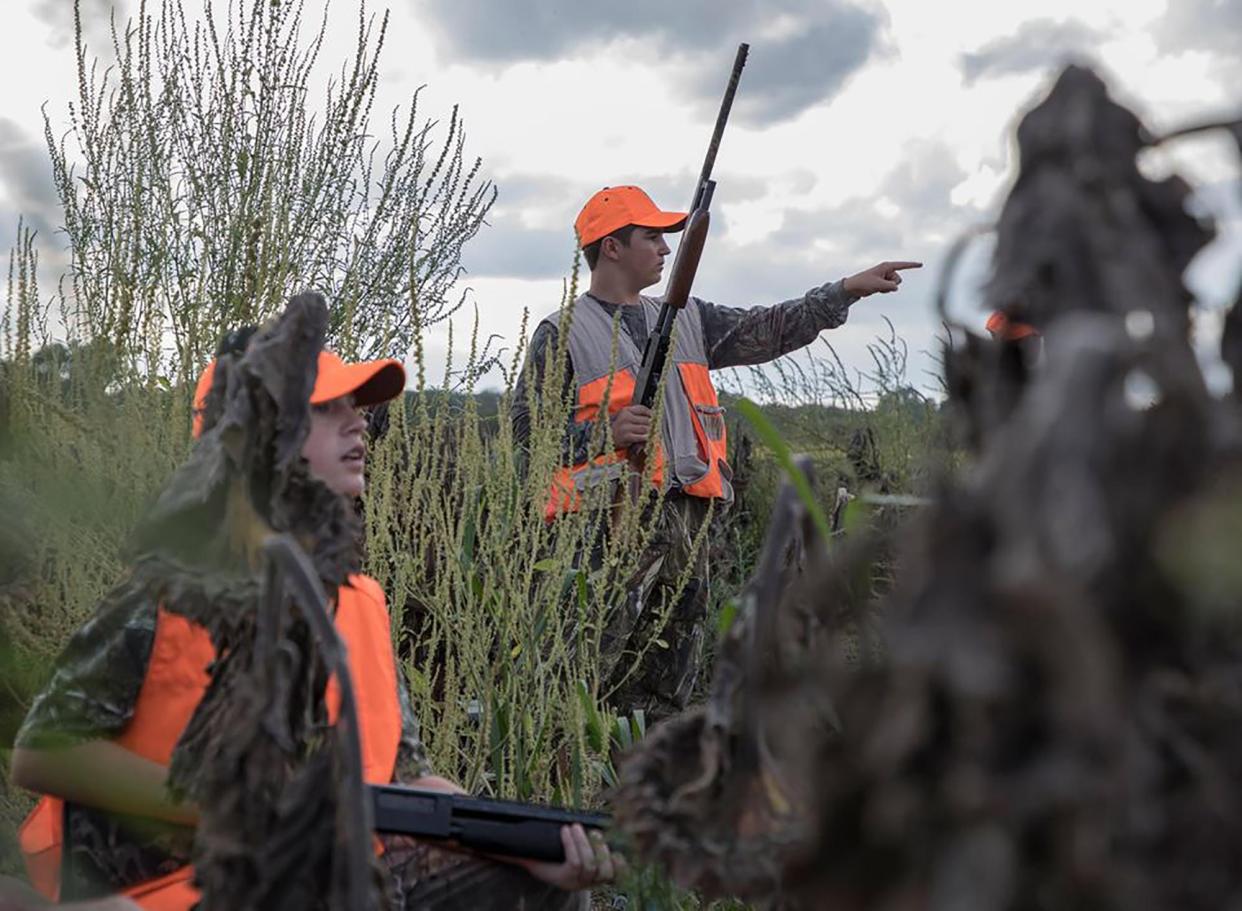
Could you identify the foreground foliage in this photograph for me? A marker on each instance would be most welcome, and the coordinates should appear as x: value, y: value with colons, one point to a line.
x: 1051, y: 716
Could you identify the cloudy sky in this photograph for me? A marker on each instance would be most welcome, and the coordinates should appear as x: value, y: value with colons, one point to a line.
x: 864, y: 129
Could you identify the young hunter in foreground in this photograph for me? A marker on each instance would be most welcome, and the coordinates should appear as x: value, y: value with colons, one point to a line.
x: 100, y: 739
x: 621, y: 233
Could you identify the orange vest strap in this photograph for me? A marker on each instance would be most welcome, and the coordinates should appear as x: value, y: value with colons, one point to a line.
x: 362, y: 620
x: 175, y: 682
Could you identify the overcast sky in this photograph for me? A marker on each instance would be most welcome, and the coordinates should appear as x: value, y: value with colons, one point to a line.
x: 863, y: 130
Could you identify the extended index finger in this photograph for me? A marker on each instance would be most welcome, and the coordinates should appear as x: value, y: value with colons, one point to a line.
x: 903, y: 264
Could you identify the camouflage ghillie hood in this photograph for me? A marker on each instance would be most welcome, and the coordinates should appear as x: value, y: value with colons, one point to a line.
x: 1055, y: 717
x: 245, y: 477
x: 279, y: 789
x: 718, y: 794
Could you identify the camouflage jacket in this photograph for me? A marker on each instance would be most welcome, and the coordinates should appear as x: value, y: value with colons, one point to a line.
x: 92, y: 696
x: 734, y: 337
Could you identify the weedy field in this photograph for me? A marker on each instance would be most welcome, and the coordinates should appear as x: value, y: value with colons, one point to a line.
x: 194, y: 203
x: 497, y: 628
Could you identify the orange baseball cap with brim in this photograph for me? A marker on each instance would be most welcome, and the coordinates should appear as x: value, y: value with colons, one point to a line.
x: 615, y: 207
x: 1003, y: 327
x: 370, y: 382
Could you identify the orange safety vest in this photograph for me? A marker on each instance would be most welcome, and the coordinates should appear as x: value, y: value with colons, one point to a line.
x: 692, y: 436
x: 175, y: 682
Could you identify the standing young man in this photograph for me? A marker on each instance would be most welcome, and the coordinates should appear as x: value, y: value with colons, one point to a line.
x: 621, y: 233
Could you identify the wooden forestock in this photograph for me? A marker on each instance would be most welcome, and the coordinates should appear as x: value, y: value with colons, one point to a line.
x: 686, y: 264
x: 689, y: 251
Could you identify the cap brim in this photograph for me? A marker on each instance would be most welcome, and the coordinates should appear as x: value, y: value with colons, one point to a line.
x: 665, y: 221
x: 370, y: 382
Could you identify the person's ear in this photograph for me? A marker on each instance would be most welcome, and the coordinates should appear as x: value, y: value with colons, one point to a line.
x: 608, y: 248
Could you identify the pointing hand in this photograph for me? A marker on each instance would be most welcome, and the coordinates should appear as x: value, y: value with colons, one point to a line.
x: 883, y: 278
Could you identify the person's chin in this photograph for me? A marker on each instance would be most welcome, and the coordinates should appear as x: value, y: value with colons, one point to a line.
x: 351, y: 485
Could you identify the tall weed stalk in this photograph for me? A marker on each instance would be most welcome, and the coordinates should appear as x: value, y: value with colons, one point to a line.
x: 505, y: 616
x: 202, y: 184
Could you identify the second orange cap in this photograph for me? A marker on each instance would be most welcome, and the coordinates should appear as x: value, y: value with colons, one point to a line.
x: 615, y: 207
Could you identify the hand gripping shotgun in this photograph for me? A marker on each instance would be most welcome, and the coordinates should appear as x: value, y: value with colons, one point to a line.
x: 686, y: 264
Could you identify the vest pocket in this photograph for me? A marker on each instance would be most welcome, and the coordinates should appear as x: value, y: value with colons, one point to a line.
x: 711, y: 419
x: 710, y: 429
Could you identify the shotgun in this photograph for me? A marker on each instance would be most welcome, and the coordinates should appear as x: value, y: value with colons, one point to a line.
x: 493, y: 826
x: 686, y: 263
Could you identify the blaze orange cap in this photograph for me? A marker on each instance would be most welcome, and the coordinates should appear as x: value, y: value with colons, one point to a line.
x: 371, y: 382
x: 1003, y: 327
x: 616, y: 207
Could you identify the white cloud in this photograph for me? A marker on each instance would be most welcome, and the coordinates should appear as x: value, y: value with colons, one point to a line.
x: 894, y: 160
x: 96, y: 16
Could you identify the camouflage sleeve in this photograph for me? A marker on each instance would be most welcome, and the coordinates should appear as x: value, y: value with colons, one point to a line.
x: 576, y: 444
x: 97, y: 678
x: 411, y: 755
x: 740, y: 337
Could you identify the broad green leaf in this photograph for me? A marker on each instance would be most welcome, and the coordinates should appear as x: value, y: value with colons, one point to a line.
x: 780, y: 449
x: 594, y: 723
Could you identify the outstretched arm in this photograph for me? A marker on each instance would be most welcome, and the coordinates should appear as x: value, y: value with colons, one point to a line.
x: 740, y: 337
